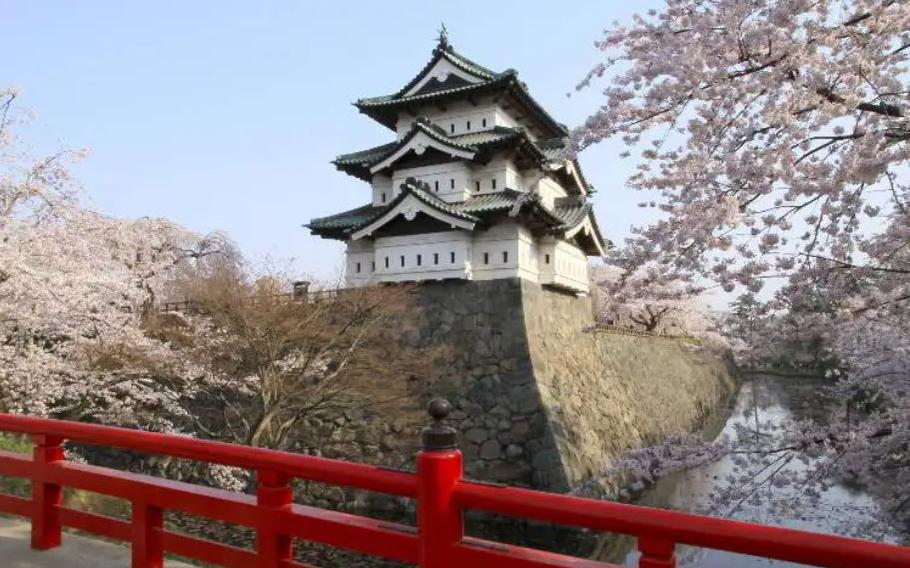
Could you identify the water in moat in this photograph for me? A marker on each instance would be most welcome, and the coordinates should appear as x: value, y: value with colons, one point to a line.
x: 759, y: 399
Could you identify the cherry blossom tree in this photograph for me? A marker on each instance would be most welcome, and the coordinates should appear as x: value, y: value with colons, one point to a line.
x: 773, y: 138
x: 72, y: 283
x: 649, y: 300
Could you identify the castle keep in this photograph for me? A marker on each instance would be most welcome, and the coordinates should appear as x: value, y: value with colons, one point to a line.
x: 478, y: 185
x: 480, y: 199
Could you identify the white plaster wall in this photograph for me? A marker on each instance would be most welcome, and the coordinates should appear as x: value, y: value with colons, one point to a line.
x: 549, y: 189
x: 503, y: 118
x: 382, y: 189
x: 567, y: 266
x: 441, y: 178
x: 359, y: 262
x: 426, y: 245
x: 453, y: 120
x: 528, y: 260
x: 493, y: 242
x: 502, y: 170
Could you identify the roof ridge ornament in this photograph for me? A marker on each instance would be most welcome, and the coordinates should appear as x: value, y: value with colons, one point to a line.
x: 443, y: 38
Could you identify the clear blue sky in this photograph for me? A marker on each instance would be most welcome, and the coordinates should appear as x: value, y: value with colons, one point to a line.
x: 226, y: 115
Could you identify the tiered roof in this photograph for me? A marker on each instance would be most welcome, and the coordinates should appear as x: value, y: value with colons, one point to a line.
x: 541, y: 142
x: 566, y: 216
x: 384, y: 109
x: 478, y: 144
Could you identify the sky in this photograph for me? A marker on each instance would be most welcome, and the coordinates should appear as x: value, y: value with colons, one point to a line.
x: 226, y: 115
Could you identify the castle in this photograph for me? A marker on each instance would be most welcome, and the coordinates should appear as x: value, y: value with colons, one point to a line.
x: 480, y: 184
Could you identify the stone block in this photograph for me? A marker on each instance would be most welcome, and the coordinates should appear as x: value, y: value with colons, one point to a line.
x: 491, y: 450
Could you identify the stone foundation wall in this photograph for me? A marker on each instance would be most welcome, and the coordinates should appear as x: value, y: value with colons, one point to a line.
x: 542, y: 402
x: 605, y: 393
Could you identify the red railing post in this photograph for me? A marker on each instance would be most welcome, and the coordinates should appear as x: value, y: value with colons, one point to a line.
x: 439, y: 469
x: 273, y: 491
x: 656, y: 553
x: 148, y: 522
x: 46, y: 497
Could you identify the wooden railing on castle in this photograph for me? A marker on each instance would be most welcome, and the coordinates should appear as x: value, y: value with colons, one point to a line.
x: 312, y: 296
x: 441, y: 493
x: 629, y: 330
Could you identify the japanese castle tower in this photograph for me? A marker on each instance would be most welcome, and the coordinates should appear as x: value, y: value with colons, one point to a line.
x: 479, y: 184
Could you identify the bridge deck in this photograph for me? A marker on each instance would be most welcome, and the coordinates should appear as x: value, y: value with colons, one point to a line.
x: 77, y: 551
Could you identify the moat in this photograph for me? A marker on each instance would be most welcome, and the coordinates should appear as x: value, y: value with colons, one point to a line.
x: 760, y: 399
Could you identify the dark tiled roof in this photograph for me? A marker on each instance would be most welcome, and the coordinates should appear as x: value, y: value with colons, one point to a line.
x: 566, y: 214
x: 358, y: 163
x: 384, y: 108
x: 449, y: 54
x: 572, y: 211
x: 367, y: 156
x: 555, y: 149
x: 346, y: 219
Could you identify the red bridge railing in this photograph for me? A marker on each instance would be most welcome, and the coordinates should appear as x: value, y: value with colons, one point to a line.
x: 438, y: 540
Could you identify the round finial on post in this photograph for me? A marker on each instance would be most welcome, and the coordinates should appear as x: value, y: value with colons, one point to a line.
x: 439, y: 435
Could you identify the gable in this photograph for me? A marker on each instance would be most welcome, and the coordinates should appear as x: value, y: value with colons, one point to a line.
x: 408, y: 207
x: 439, y: 73
x: 417, y: 144
x: 420, y: 224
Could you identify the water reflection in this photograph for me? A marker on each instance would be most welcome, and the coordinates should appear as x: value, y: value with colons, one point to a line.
x: 762, y: 399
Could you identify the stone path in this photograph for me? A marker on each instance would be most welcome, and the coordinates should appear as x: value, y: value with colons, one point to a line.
x: 76, y: 550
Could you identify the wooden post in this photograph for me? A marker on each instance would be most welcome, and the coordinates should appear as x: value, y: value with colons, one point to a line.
x: 148, y: 522
x: 439, y: 469
x: 273, y: 491
x: 46, y: 497
x: 656, y: 553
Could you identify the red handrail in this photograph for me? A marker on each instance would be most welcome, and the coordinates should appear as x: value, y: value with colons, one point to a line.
x: 442, y: 495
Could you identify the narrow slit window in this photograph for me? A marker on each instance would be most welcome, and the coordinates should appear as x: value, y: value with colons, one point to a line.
x: 435, y: 258
x: 484, y: 123
x: 387, y: 262
x: 468, y: 125
x: 402, y: 261
x: 505, y: 257
x: 452, y: 183
x: 493, y: 183
x: 452, y: 257
x: 546, y: 259
x: 452, y: 128
x: 486, y: 258
x: 476, y: 186
x: 358, y: 267
x: 383, y: 197
x: 436, y: 185
x: 373, y: 266
x: 419, y: 260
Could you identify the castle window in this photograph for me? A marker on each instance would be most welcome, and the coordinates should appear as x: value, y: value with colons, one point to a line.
x: 493, y: 183
x: 452, y: 183
x: 486, y: 258
x: 452, y: 257
x: 419, y: 260
x: 476, y: 186
x: 505, y: 257
x: 383, y: 197
x: 452, y: 128
x: 546, y: 258
x: 373, y: 266
x: 435, y: 258
x: 358, y: 268
x: 402, y: 261
x: 468, y: 125
x: 484, y: 123
x: 387, y: 262
x: 436, y: 185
